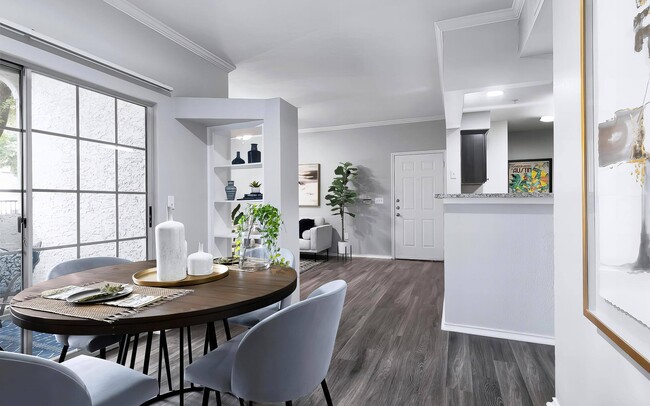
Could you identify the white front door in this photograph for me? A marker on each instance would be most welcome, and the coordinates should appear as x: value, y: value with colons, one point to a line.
x: 417, y: 214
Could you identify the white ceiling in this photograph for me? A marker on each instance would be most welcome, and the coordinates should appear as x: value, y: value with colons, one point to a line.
x: 341, y: 62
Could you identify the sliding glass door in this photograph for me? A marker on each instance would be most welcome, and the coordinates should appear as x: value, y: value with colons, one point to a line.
x: 81, y: 189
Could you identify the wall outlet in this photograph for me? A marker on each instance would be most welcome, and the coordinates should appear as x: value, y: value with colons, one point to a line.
x: 379, y: 200
x: 170, y: 202
x: 346, y: 236
x: 452, y: 175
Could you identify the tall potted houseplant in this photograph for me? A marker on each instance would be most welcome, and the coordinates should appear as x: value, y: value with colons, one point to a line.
x: 340, y: 196
x: 258, y: 222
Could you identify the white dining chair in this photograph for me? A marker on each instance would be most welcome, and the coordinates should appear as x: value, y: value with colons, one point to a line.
x: 90, y: 343
x: 81, y: 381
x: 282, y: 358
x: 250, y: 319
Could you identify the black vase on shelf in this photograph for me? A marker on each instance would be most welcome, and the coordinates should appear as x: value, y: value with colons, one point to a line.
x: 254, y: 156
x: 239, y: 160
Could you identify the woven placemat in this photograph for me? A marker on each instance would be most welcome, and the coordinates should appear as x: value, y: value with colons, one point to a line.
x: 99, y: 312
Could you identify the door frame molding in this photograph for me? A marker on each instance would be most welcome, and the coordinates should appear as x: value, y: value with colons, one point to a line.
x: 392, y: 187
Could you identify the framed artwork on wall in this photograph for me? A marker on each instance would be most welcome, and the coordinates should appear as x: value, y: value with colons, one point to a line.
x: 530, y: 176
x: 309, y: 185
x: 616, y: 185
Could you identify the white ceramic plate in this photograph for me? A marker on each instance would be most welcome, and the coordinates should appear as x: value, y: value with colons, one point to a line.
x: 78, y: 297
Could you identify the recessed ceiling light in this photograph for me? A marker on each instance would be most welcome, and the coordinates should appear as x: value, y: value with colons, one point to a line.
x: 546, y: 119
x: 495, y: 93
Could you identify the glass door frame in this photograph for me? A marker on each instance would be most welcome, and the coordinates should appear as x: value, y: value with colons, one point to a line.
x: 26, y: 182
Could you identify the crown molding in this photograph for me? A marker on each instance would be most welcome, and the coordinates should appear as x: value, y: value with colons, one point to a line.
x: 371, y: 124
x: 166, y: 31
x: 475, y: 20
x: 518, y: 6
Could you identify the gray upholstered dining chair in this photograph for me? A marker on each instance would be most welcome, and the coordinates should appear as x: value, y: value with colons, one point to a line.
x: 252, y: 318
x: 269, y: 363
x: 29, y: 380
x: 90, y: 343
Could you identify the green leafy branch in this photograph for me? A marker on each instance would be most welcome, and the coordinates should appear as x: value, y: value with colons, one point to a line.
x: 266, y: 220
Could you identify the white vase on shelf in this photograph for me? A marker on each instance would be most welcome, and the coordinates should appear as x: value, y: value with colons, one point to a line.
x: 171, y: 250
x: 199, y: 263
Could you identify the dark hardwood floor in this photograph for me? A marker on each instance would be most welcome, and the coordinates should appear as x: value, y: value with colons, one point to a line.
x: 390, y: 349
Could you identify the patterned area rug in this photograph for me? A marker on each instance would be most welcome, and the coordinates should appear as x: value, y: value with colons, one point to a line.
x: 308, y: 263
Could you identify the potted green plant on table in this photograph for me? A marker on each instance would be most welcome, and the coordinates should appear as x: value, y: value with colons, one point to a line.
x: 258, y: 229
x: 340, y: 196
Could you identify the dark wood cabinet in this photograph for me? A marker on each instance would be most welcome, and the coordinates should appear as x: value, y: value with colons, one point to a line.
x: 473, y: 157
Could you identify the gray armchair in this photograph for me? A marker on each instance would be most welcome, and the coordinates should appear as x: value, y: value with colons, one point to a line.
x: 317, y: 239
x: 270, y: 364
x: 82, y: 381
x: 88, y: 343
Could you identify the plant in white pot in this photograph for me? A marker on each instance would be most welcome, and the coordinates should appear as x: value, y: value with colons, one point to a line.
x: 255, y: 186
x: 340, y: 196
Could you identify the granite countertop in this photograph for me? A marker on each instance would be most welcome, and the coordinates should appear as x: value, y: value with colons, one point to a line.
x: 491, y: 195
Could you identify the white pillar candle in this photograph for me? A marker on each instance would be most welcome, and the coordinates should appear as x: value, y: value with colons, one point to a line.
x: 171, y: 250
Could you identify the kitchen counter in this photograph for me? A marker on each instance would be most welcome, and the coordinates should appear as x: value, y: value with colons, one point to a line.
x: 498, y: 251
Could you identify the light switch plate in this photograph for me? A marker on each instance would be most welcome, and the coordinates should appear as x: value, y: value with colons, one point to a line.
x: 346, y: 236
x: 170, y: 202
x: 452, y: 174
x: 379, y: 200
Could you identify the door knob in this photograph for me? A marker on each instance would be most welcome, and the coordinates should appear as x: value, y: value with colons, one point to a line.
x: 398, y: 215
x: 397, y: 200
x: 397, y: 207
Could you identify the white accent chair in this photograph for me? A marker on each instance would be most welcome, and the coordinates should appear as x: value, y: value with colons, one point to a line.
x: 250, y: 319
x: 81, y: 381
x: 282, y: 358
x: 317, y: 239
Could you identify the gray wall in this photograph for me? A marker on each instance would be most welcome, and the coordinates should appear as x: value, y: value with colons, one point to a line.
x: 370, y: 149
x: 530, y: 144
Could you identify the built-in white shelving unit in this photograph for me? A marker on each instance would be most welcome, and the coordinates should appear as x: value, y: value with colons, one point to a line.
x: 232, y: 125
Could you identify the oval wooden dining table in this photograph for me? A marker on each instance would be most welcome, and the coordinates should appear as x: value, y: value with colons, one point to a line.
x: 237, y: 293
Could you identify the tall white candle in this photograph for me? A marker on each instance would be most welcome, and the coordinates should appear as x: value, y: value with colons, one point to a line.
x: 171, y: 250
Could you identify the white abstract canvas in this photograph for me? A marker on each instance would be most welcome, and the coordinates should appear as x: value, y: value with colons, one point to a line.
x: 309, y: 184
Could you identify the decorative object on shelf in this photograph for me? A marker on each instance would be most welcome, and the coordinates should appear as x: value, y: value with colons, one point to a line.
x: 309, y: 185
x: 530, y: 176
x: 616, y: 181
x: 238, y: 160
x: 257, y: 237
x: 340, y: 196
x: 252, y: 196
x: 171, y: 250
x: 199, y: 263
x: 254, y: 156
x: 231, y: 190
x: 255, y: 187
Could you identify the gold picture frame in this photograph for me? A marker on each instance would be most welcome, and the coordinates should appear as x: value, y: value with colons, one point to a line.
x: 620, y: 326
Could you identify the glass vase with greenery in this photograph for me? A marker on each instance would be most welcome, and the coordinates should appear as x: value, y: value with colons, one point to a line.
x: 259, y: 222
x: 340, y: 196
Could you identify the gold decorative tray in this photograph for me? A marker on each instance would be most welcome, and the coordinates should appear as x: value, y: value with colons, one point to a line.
x: 148, y: 278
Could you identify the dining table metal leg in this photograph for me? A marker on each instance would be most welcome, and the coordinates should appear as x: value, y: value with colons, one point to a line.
x: 147, y: 355
x: 226, y: 327
x: 135, y: 351
x: 181, y: 370
x: 164, y: 352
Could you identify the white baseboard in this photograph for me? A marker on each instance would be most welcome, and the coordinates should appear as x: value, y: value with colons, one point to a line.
x: 495, y: 333
x: 372, y: 256
x: 554, y: 402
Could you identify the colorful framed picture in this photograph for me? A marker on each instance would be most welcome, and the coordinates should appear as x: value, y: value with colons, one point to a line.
x: 309, y: 185
x: 530, y: 176
x: 616, y: 185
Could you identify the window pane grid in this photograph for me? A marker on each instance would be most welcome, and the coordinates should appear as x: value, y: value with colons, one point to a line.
x: 109, y: 141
